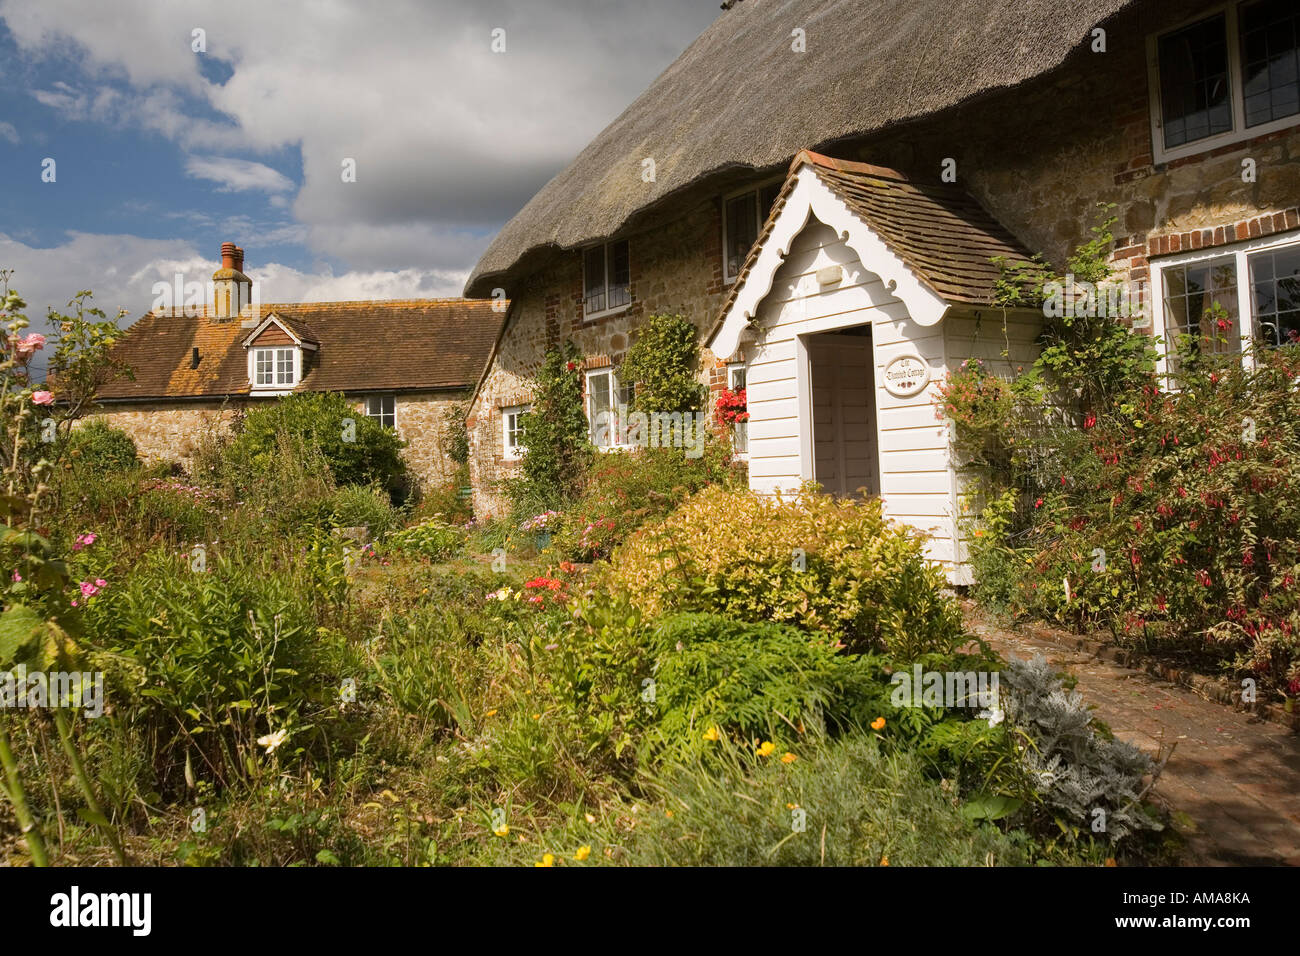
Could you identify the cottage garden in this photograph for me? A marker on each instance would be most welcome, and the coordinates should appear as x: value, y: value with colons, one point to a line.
x: 304, y: 662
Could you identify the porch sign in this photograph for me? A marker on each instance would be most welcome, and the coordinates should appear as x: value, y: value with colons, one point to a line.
x: 906, y: 375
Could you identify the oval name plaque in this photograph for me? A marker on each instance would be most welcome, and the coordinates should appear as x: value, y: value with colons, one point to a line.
x: 906, y: 375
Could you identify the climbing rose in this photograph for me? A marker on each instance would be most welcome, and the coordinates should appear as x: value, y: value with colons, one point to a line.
x: 42, y: 398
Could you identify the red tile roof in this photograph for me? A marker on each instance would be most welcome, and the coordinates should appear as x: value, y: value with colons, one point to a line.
x: 393, y: 345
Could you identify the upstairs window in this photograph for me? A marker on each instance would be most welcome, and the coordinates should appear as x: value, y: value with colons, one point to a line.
x: 1226, y: 77
x: 275, y: 368
x: 743, y: 217
x: 383, y: 409
x: 606, y: 278
x: 512, y: 430
x: 607, y: 400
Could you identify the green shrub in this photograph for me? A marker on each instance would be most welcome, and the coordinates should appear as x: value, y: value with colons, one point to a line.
x: 432, y: 538
x: 353, y: 506
x: 662, y: 363
x: 770, y: 682
x: 625, y: 489
x: 862, y: 806
x: 817, y: 562
x: 204, y: 663
x: 446, y: 500
x: 97, y: 448
x: 559, y: 449
x: 358, y: 450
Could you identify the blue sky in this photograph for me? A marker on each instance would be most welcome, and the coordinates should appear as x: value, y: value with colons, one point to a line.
x: 162, y: 153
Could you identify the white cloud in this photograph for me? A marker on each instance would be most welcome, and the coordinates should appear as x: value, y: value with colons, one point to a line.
x: 450, y: 138
x: 237, y: 175
x: 121, y: 270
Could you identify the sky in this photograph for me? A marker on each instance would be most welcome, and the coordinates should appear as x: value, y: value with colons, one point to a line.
x: 174, y: 126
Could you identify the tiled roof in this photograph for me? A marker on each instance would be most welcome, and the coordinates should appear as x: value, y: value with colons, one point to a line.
x: 939, y: 230
x: 942, y: 234
x: 393, y: 345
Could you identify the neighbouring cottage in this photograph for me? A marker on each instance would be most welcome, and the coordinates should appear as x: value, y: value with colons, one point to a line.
x: 406, y: 363
x: 960, y: 130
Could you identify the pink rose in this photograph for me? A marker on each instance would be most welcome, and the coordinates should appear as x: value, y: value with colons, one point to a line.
x: 42, y: 398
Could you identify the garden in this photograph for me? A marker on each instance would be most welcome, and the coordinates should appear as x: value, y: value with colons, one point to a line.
x: 304, y: 660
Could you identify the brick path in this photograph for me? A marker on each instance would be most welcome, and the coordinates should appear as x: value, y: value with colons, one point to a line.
x: 1233, y: 783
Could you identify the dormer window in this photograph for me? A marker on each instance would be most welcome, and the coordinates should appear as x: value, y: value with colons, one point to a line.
x: 274, y: 368
x: 276, y: 350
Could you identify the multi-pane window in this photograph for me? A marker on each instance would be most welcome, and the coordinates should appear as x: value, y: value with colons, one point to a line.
x: 606, y: 278
x: 272, y: 367
x: 607, y: 401
x: 739, y: 430
x: 743, y: 217
x: 1194, y: 94
x: 383, y: 409
x: 1225, y: 300
x: 1226, y: 77
x: 1275, y: 294
x: 512, y: 430
x: 1269, y: 60
x: 1201, y: 305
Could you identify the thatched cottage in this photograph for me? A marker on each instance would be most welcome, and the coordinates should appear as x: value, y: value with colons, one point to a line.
x: 820, y: 184
x: 406, y: 363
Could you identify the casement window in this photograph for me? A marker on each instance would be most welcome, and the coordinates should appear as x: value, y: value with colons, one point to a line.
x: 512, y: 430
x: 383, y: 409
x: 1225, y: 77
x: 607, y: 399
x: 739, y: 430
x: 743, y: 216
x: 606, y: 278
x: 275, y: 368
x: 1225, y: 298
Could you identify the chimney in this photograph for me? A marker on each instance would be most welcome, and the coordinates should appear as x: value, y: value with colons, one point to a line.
x: 232, y: 290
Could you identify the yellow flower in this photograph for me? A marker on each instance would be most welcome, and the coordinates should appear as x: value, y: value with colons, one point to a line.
x: 502, y: 830
x: 668, y: 813
x: 791, y: 806
x: 1110, y: 861
x: 788, y: 758
x: 537, y: 716
x: 878, y: 723
x: 583, y: 853
x: 884, y: 861
x: 548, y: 859
x: 765, y: 748
x: 711, y: 734
x: 492, y: 712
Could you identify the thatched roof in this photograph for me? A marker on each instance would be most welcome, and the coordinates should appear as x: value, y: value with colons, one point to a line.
x: 740, y: 97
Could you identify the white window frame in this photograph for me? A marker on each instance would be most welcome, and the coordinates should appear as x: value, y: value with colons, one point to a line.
x: 614, y: 387
x: 755, y: 192
x: 381, y: 396
x: 605, y: 247
x: 1237, y: 102
x: 732, y: 369
x: 512, y: 451
x: 1240, y: 252
x: 275, y: 386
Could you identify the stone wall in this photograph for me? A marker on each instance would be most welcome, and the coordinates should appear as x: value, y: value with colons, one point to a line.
x: 1040, y: 157
x: 173, y: 431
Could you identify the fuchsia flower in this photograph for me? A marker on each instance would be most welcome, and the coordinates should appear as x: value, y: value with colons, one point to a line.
x: 84, y: 540
x: 42, y: 398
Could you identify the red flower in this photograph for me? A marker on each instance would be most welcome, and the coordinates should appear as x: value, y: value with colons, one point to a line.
x: 1090, y: 421
x: 1038, y: 503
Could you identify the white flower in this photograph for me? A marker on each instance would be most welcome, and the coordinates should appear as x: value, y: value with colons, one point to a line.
x: 271, y: 741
